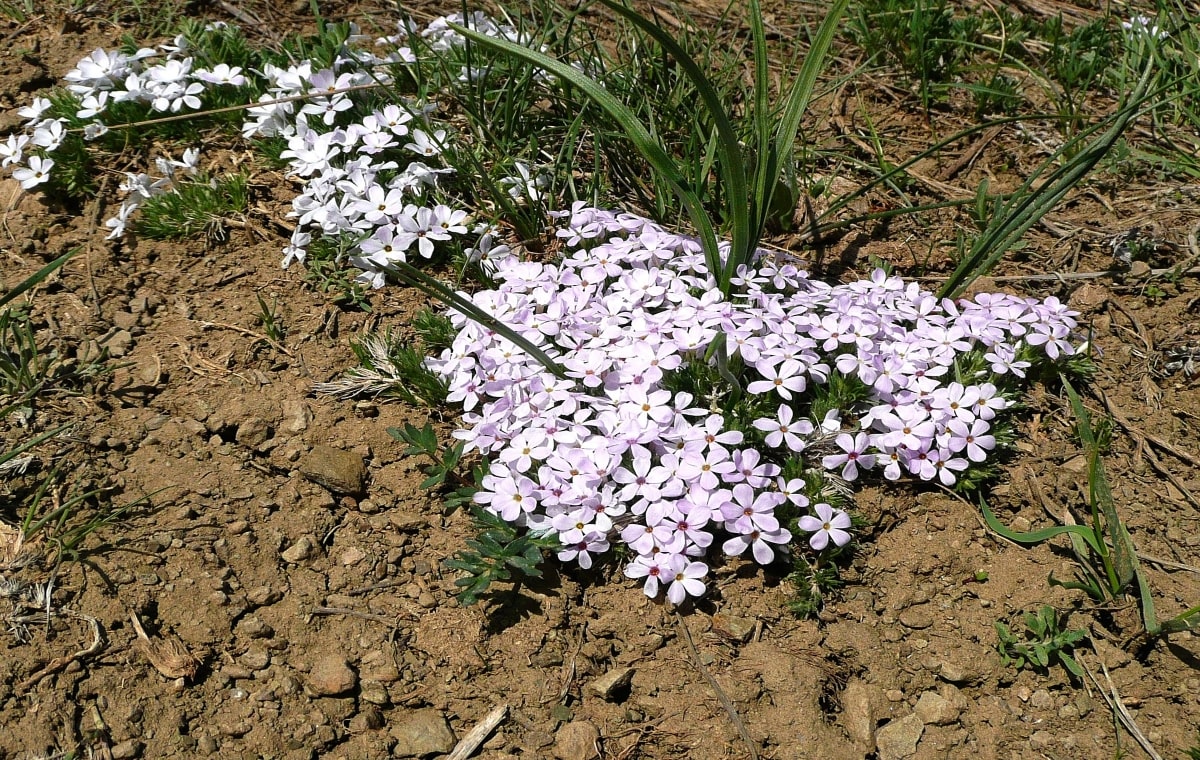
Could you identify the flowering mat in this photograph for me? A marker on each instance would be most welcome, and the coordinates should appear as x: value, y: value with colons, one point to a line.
x: 325, y: 618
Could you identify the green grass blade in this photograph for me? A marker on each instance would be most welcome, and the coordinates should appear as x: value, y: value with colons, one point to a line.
x: 766, y: 168
x: 637, y: 133
x: 1031, y: 204
x: 36, y: 278
x: 429, y: 285
x: 1123, y: 555
x: 1036, y: 536
x: 731, y: 167
x: 802, y: 87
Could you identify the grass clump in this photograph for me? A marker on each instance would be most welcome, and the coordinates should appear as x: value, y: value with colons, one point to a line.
x: 195, y: 208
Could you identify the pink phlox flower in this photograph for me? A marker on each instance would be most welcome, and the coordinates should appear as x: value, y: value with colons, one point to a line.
x: 689, y: 520
x: 955, y: 401
x: 748, y: 511
x: 685, y: 579
x: 989, y: 402
x: 785, y: 430
x: 785, y: 379
x: 508, y: 496
x: 1003, y: 359
x: 971, y: 437
x: 793, y: 490
x: 655, y: 569
x: 644, y: 538
x: 705, y: 468
x: 750, y: 468
x: 828, y: 525
x: 641, y: 480
x: 853, y: 456
x: 583, y: 549
x: 759, y: 542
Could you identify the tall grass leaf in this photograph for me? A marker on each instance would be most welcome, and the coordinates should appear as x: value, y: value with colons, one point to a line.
x: 1124, y: 556
x: 637, y: 133
x: 37, y: 277
x: 731, y: 167
x: 1030, y: 204
x: 1036, y: 536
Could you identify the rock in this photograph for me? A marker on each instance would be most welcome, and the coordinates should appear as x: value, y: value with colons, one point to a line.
x: 426, y: 600
x: 858, y: 714
x: 918, y: 617
x: 342, y: 472
x: 263, y: 596
x: 380, y: 669
x: 1042, y: 700
x: 299, y: 551
x: 352, y: 556
x: 369, y: 719
x: 899, y: 738
x: 253, y: 432
x: 962, y: 665
x: 407, y: 522
x: 126, y: 750
x: 119, y: 343
x: 296, y: 417
x: 331, y: 676
x: 374, y: 693
x: 734, y: 628
x: 423, y: 733
x: 934, y: 709
x: 613, y: 686
x: 576, y: 741
x: 256, y: 658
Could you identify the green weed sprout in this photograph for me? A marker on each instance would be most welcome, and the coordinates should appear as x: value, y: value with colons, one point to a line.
x: 1042, y: 644
x: 1108, y: 564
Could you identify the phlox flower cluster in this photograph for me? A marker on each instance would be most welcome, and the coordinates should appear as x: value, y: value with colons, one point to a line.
x: 611, y: 454
x: 368, y: 176
x: 368, y: 173
x: 163, y: 79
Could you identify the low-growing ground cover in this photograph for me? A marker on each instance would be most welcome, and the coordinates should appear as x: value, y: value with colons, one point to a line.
x: 290, y: 548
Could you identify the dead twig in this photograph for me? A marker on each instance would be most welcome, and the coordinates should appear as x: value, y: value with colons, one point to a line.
x: 377, y: 586
x: 723, y: 698
x: 250, y: 333
x: 1142, y: 437
x: 59, y: 663
x: 93, y: 222
x: 1118, y: 707
x: 1184, y: 456
x: 392, y: 621
x: 969, y: 155
x: 477, y: 735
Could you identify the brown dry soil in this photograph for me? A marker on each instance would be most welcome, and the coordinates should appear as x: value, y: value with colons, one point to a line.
x: 325, y: 623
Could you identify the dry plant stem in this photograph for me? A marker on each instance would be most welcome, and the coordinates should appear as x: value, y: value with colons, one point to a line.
x: 355, y: 613
x: 93, y: 222
x: 168, y: 654
x: 59, y: 663
x: 1142, y: 437
x: 249, y: 333
x: 1118, y: 707
x: 240, y: 107
x: 1115, y: 413
x: 968, y: 156
x: 377, y: 586
x: 736, y: 719
x: 477, y: 735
